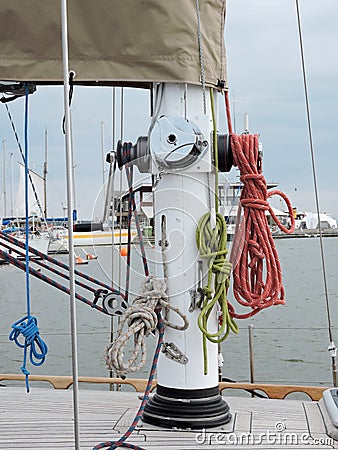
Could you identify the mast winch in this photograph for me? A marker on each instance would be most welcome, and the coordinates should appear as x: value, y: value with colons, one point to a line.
x: 179, y: 153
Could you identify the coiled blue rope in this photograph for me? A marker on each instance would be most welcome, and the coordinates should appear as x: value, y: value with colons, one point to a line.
x: 30, y: 332
x: 28, y: 325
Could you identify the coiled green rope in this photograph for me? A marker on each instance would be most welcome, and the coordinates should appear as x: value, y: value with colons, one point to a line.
x: 211, y: 243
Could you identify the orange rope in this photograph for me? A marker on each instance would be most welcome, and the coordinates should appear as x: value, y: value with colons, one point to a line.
x: 257, y: 275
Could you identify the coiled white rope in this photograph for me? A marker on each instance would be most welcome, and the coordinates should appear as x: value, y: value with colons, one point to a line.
x: 141, y: 320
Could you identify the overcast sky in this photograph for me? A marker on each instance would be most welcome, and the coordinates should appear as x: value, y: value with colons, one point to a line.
x: 265, y: 81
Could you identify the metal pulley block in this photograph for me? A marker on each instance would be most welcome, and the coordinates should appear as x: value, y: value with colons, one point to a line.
x: 176, y: 143
x: 114, y: 304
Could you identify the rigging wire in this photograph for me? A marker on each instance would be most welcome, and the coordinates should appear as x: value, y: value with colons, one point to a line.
x: 201, y: 56
x: 213, y: 114
x: 129, y: 173
x: 69, y: 179
x: 5, y: 170
x: 120, y: 186
x: 111, y: 207
x: 24, y: 162
x: 332, y: 348
x: 27, y: 326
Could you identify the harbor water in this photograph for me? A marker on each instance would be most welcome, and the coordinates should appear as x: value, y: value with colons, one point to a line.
x: 289, y: 346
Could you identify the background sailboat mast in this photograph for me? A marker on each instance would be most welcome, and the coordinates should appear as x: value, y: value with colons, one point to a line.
x: 45, y: 175
x: 4, y: 178
x: 12, y: 178
x: 74, y: 212
x: 103, y: 161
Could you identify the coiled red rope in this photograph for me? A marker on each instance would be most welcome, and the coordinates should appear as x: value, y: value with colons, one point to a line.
x: 257, y: 275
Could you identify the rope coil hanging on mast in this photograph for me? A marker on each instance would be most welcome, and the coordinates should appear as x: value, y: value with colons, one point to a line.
x: 141, y: 320
x: 254, y: 255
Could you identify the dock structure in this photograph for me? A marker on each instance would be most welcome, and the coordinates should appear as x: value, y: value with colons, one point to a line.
x: 43, y: 419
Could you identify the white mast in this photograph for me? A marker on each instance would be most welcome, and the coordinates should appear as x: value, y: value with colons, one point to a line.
x: 183, y: 194
x: 180, y: 152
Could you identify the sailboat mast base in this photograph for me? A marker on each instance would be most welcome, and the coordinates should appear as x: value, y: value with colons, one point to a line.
x: 187, y: 409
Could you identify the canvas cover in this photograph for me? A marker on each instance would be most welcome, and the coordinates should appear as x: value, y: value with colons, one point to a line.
x: 113, y: 42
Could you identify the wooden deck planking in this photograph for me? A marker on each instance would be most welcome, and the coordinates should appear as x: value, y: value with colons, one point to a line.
x: 43, y: 419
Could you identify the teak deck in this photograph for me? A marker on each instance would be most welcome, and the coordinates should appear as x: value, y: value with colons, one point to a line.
x: 43, y: 419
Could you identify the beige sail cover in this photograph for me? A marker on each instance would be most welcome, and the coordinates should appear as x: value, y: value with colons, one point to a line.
x: 114, y: 42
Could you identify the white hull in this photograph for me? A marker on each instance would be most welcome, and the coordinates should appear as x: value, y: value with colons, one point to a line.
x: 92, y: 238
x: 58, y: 245
x: 88, y: 238
x: 40, y: 243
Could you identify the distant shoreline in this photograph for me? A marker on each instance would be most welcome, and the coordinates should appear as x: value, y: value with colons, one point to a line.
x: 305, y: 233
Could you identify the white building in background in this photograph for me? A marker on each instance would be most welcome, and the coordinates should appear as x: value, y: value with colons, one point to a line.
x: 229, y: 196
x: 309, y: 221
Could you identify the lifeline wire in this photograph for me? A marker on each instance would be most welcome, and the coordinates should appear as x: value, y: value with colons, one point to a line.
x: 332, y: 348
x: 28, y: 325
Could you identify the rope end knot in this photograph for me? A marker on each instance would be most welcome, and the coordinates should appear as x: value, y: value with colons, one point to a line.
x: 28, y: 327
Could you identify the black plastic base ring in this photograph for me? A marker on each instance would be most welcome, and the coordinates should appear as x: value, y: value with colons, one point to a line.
x: 187, y: 409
